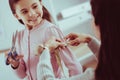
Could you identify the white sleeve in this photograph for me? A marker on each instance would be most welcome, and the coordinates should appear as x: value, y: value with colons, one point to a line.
x: 94, y: 45
x: 44, y: 67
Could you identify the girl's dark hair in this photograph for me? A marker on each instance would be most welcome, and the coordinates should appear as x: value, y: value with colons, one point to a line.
x: 46, y: 14
x: 107, y: 15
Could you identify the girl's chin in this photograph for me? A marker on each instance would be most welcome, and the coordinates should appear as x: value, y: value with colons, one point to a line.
x: 34, y: 23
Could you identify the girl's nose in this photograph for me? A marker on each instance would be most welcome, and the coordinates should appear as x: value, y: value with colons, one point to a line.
x: 31, y: 12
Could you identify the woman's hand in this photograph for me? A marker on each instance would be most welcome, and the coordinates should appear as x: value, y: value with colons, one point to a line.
x: 75, y: 39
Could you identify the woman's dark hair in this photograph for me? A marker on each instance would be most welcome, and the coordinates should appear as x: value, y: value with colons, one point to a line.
x: 107, y: 15
x: 46, y: 14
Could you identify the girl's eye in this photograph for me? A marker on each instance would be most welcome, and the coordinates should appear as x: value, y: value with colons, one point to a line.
x: 35, y: 6
x: 24, y: 12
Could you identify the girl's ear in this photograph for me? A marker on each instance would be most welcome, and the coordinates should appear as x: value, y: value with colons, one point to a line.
x: 16, y: 16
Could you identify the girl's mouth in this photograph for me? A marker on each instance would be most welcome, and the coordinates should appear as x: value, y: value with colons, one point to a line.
x: 34, y: 19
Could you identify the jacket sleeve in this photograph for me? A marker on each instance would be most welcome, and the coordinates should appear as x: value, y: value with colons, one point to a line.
x: 21, y: 70
x: 69, y: 59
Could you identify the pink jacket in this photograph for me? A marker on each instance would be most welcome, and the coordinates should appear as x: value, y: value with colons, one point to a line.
x: 26, y: 43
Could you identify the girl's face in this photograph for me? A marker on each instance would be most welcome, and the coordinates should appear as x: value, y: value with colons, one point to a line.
x: 29, y: 11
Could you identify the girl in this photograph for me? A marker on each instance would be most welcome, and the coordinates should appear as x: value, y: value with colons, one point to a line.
x: 38, y: 30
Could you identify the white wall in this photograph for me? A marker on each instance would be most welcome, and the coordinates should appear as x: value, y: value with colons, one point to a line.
x: 8, y: 24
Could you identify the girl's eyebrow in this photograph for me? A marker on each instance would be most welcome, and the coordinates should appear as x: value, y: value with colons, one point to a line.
x: 25, y: 9
x: 34, y: 4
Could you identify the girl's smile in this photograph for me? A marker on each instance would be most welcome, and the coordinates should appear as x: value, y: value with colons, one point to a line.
x: 34, y: 19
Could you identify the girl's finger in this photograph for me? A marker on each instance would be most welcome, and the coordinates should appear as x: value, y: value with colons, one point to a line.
x: 19, y: 57
x: 58, y: 40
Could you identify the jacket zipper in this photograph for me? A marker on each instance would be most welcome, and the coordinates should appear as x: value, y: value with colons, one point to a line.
x: 29, y: 56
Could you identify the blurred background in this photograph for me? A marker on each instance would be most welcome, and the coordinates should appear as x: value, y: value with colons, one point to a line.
x: 68, y: 15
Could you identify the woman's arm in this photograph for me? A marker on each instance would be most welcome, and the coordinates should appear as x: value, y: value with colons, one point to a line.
x: 94, y: 45
x: 76, y: 39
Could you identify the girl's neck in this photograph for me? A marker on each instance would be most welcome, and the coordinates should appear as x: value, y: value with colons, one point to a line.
x: 31, y: 27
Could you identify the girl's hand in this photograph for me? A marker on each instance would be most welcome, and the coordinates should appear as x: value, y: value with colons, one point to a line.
x: 39, y: 49
x: 13, y: 61
x: 76, y: 39
x: 54, y: 44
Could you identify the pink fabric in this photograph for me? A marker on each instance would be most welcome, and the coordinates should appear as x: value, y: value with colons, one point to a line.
x: 26, y: 44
